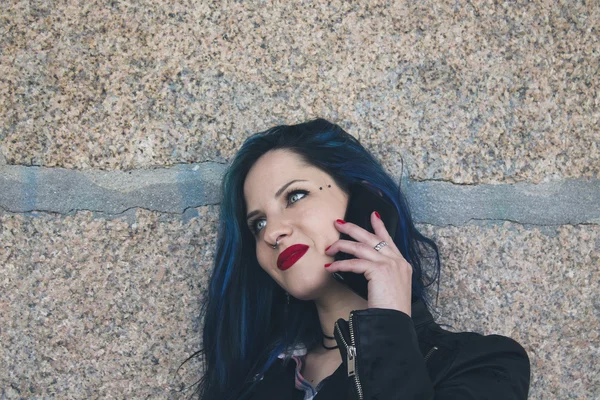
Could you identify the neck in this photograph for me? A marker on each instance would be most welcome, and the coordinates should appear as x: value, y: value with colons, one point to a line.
x: 337, y: 302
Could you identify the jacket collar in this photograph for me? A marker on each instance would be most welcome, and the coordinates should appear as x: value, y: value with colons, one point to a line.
x: 420, y: 314
x: 280, y: 379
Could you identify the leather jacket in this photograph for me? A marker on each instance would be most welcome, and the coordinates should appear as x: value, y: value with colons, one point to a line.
x: 387, y: 355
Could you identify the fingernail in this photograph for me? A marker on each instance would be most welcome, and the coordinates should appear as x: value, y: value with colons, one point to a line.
x: 377, y: 214
x: 340, y: 221
x: 327, y: 265
x: 328, y: 247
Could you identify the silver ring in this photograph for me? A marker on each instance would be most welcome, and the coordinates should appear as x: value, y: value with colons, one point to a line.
x: 380, y: 245
x: 276, y: 243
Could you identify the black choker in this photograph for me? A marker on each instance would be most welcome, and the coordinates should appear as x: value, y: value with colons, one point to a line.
x: 323, y: 342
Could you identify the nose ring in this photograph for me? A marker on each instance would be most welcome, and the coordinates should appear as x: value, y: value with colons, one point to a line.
x: 276, y: 243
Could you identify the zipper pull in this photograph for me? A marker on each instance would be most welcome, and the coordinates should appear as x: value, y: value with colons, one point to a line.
x: 351, y: 360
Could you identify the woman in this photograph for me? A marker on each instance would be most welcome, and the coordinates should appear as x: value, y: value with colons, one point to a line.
x: 276, y: 323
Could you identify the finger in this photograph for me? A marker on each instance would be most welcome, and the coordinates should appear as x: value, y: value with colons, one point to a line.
x: 357, y: 249
x: 382, y: 232
x: 353, y: 265
x: 357, y: 233
x: 370, y: 239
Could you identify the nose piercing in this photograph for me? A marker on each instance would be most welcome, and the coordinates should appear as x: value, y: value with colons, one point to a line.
x: 276, y: 243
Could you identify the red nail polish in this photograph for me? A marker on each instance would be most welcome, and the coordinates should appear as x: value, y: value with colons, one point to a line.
x: 328, y: 247
x: 340, y: 221
x: 377, y: 215
x: 327, y: 265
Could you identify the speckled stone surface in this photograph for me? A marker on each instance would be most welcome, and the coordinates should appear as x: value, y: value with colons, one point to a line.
x: 92, y: 308
x: 467, y: 91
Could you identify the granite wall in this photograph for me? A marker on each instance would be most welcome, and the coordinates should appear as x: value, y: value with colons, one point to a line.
x: 100, y: 298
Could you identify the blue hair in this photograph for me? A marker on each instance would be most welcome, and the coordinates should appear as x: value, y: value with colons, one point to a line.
x: 246, y: 323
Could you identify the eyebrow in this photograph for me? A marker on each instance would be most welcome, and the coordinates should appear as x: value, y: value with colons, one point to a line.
x: 279, y: 192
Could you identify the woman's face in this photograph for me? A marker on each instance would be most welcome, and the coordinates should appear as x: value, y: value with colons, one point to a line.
x: 297, y: 204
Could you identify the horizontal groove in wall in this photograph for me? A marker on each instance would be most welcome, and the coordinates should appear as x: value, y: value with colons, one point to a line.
x: 178, y: 189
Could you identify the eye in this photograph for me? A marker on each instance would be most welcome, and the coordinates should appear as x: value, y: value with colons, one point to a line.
x: 296, y: 195
x: 258, y: 225
x: 292, y: 197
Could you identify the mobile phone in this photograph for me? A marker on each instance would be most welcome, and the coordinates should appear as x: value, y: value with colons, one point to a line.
x: 363, y: 200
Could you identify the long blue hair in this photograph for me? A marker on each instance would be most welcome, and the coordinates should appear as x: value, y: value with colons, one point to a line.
x: 246, y: 325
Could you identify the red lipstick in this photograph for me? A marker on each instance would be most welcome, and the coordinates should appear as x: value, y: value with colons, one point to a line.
x: 289, y: 256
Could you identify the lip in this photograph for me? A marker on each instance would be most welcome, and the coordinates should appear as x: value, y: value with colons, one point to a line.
x: 289, y: 256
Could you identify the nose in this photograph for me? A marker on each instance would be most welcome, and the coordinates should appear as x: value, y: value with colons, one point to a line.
x: 276, y: 230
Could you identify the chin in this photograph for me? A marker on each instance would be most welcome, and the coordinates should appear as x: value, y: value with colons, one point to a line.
x: 304, y: 288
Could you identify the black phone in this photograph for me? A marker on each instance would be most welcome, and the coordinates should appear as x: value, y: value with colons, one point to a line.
x: 363, y: 200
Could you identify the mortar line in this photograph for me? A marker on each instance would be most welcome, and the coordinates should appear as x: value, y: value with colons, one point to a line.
x: 182, y: 188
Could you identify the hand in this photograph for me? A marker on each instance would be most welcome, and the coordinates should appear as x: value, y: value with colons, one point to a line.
x: 388, y: 273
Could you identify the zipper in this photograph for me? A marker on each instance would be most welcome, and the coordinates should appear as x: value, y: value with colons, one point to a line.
x: 353, y: 347
x: 351, y: 357
x: 430, y: 353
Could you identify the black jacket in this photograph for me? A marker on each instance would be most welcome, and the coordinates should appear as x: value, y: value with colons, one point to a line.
x: 388, y: 355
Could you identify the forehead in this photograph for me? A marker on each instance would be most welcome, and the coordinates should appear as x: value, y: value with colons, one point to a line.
x: 274, y: 169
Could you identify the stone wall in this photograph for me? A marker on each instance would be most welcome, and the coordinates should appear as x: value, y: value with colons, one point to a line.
x: 117, y: 120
